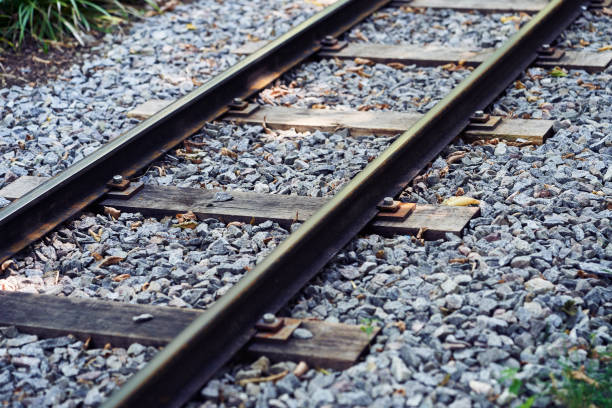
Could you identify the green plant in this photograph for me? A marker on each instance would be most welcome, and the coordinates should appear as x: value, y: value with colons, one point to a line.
x: 367, y: 326
x: 589, y: 385
x: 585, y: 386
x: 51, y: 20
x: 509, y: 376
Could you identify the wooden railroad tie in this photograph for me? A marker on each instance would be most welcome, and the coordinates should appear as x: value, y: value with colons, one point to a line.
x: 333, y: 345
x: 432, y: 221
x: 486, y: 6
x: 359, y: 123
x: 435, y: 55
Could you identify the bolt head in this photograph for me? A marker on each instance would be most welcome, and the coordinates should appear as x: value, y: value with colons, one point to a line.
x: 546, y: 46
x: 118, y: 179
x: 479, y: 113
x: 238, y: 101
x: 388, y: 201
x: 269, y: 318
x: 329, y: 40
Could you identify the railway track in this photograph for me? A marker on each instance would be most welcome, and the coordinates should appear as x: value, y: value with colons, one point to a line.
x: 227, y: 326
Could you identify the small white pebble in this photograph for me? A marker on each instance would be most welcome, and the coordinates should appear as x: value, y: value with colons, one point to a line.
x: 302, y: 334
x: 142, y: 318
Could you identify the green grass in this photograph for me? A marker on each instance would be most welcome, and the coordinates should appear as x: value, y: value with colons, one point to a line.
x: 587, y: 386
x: 584, y: 386
x: 48, y: 21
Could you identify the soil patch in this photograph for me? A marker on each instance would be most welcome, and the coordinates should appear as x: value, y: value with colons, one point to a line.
x: 31, y: 65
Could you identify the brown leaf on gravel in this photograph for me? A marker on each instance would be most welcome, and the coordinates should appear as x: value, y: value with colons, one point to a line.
x: 6, y: 264
x: 444, y: 171
x: 263, y: 379
x: 97, y: 256
x: 455, y: 157
x: 462, y: 201
x: 456, y: 67
x: 581, y: 376
x: 587, y: 85
x: 584, y: 275
x: 396, y: 65
x: 227, y: 152
x: 187, y: 225
x: 363, y: 61
x: 111, y: 260
x: 360, y: 35
x: 113, y: 212
x: 301, y: 369
x: 121, y: 277
x: 96, y: 235
x: 421, y: 233
x: 188, y: 216
x: 400, y: 325
x: 459, y: 192
x: 459, y: 261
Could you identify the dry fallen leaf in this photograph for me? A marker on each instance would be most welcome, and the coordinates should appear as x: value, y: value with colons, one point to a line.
x: 396, y: 65
x: 321, y: 3
x: 97, y: 256
x: 113, y: 212
x: 111, y: 260
x: 507, y: 19
x: 363, y: 61
x: 227, y: 152
x: 605, y: 48
x: 6, y: 264
x: 581, y: 376
x: 188, y: 216
x: 462, y: 201
x: 187, y: 225
x: 301, y: 369
x: 96, y: 235
x: 263, y: 379
x: 121, y: 277
x: 421, y: 233
x: 455, y: 157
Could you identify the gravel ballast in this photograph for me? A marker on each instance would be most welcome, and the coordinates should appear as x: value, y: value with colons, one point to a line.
x: 526, y: 287
x: 526, y: 290
x: 45, y: 129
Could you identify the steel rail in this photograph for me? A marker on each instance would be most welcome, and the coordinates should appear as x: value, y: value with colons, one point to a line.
x: 203, y: 347
x: 38, y: 212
